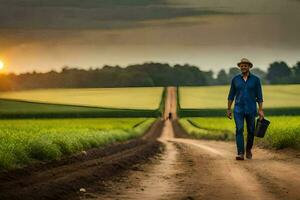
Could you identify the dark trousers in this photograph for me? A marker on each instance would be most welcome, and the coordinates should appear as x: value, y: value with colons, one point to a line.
x: 239, y: 119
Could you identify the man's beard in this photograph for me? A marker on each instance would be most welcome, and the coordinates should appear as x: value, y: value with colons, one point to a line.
x: 245, y: 71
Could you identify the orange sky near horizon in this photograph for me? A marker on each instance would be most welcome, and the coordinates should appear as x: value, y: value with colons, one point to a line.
x: 209, y: 34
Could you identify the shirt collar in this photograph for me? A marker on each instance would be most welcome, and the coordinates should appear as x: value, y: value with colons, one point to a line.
x: 241, y: 74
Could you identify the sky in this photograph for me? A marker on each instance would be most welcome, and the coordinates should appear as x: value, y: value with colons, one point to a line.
x: 42, y: 35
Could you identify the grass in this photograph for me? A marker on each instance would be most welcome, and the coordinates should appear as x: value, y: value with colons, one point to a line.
x: 162, y: 102
x: 11, y: 109
x: 214, y: 97
x: 128, y: 98
x: 26, y: 141
x: 81, y: 103
x: 288, y: 111
x: 284, y: 131
x: 212, y: 100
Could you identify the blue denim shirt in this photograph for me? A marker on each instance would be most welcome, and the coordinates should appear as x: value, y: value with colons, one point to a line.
x: 246, y: 93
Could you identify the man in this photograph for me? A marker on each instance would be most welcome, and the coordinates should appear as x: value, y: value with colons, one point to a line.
x: 246, y: 89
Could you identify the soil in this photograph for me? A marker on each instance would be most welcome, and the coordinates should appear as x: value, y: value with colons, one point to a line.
x: 164, y: 164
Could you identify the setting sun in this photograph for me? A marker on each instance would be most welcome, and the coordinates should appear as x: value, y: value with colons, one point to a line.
x: 1, y: 64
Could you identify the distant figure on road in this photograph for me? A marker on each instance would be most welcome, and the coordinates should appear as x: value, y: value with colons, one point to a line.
x: 170, y: 116
x: 246, y: 89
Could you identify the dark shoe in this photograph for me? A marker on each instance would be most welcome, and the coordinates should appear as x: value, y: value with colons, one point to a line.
x: 240, y: 157
x: 249, y: 154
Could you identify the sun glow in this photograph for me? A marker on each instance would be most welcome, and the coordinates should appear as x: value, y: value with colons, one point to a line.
x: 1, y: 64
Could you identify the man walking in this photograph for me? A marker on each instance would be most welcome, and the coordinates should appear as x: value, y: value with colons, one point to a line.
x: 246, y: 89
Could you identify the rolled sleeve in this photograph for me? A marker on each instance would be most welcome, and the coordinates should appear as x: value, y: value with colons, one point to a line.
x: 259, y: 95
x: 232, y: 91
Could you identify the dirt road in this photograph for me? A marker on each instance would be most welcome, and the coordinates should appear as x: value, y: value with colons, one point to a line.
x: 65, y: 178
x: 184, y: 169
x: 199, y: 169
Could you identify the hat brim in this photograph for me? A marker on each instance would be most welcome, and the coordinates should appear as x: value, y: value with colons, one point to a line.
x: 251, y: 65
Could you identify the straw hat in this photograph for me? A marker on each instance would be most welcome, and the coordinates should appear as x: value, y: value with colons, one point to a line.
x: 245, y: 60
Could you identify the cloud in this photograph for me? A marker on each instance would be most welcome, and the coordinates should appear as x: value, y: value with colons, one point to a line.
x: 91, y: 32
x: 58, y: 21
x: 103, y: 14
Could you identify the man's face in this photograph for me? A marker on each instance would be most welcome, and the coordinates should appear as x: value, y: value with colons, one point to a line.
x: 244, y: 67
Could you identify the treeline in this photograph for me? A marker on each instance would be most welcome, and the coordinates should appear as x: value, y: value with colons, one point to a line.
x: 147, y: 74
x: 277, y: 73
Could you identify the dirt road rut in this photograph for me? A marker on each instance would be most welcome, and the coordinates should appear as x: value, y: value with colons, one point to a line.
x: 200, y: 169
x: 164, y: 164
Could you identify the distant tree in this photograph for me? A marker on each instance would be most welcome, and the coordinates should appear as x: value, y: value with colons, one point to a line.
x: 188, y: 75
x: 296, y: 72
x: 233, y: 71
x: 146, y: 74
x: 222, y: 77
x: 296, y: 69
x: 209, y: 77
x: 279, y: 72
x: 260, y: 73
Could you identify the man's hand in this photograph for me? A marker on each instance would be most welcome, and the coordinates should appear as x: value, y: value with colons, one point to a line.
x: 229, y: 114
x: 261, y: 114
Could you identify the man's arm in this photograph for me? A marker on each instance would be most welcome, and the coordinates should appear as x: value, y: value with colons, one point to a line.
x: 232, y: 91
x: 229, y: 109
x: 260, y: 100
x: 260, y: 111
x: 229, y: 104
x: 230, y: 98
x: 260, y: 106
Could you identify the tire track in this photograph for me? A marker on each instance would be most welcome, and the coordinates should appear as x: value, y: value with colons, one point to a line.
x: 63, y: 179
x: 185, y: 168
x: 199, y: 169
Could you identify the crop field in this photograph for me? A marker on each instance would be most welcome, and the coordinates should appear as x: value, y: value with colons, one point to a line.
x: 82, y: 158
x: 13, y: 109
x: 284, y: 131
x: 37, y: 106
x: 275, y: 96
x: 212, y: 100
x: 128, y: 98
x: 25, y: 141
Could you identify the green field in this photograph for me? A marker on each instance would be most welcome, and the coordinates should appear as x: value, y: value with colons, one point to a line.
x: 212, y: 100
x: 129, y: 98
x: 23, y: 141
x: 275, y: 96
x: 26, y: 141
x: 23, y: 108
x: 283, y: 131
x: 11, y: 109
